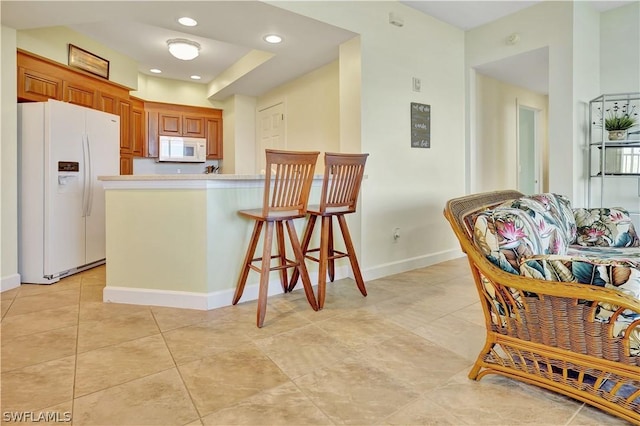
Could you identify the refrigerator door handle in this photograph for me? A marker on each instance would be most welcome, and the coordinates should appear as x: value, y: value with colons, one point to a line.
x: 85, y: 175
x: 89, y: 179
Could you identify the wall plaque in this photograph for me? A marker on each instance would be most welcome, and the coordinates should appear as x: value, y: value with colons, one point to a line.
x: 420, y: 125
x: 87, y: 61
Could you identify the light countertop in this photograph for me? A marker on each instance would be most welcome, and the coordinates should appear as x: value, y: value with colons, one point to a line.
x: 181, y: 176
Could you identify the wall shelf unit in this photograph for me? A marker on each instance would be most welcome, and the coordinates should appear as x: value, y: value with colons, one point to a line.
x: 614, y: 164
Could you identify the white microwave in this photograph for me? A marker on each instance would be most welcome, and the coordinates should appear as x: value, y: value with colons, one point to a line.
x: 183, y: 149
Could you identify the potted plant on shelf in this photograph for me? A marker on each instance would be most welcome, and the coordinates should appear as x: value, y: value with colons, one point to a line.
x: 618, y: 119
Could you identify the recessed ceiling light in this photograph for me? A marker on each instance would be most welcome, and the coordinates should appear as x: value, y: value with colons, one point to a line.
x: 188, y: 22
x: 272, y: 38
x: 155, y: 70
x: 195, y: 77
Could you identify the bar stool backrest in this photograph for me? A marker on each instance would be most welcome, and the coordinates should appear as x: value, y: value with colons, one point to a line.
x: 289, y: 175
x: 342, y: 179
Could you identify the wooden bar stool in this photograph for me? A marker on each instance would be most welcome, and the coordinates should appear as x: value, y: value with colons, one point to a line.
x: 286, y: 194
x: 342, y: 178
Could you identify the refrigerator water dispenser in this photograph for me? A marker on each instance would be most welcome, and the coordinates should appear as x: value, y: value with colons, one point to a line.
x: 68, y: 172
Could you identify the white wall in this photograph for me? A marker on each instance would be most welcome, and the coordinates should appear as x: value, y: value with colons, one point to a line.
x: 571, y: 31
x: 620, y: 73
x: 496, y: 131
x: 586, y: 86
x: 547, y: 24
x: 406, y: 187
x: 8, y: 160
x: 620, y: 50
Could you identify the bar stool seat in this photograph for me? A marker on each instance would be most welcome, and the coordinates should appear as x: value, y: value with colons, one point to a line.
x: 286, y: 194
x: 343, y: 175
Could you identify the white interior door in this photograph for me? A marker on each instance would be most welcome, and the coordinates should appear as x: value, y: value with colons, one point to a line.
x: 529, y: 164
x: 103, y: 140
x: 271, y: 133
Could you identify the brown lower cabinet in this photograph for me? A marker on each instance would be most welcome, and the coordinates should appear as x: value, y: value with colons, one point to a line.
x: 141, y: 122
x: 126, y: 164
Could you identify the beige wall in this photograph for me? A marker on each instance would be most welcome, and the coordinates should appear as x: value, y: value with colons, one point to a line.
x: 52, y: 43
x: 496, y: 131
x: 406, y: 187
x: 156, y: 89
x: 239, y: 135
x: 312, y: 110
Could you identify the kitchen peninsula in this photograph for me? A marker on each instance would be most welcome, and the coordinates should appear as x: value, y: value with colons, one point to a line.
x: 177, y: 240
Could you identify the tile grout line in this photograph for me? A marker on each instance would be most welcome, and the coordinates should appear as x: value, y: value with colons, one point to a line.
x: 75, y: 361
x: 175, y: 365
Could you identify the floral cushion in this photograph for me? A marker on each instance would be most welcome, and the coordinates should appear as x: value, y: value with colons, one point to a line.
x: 552, y: 208
x: 605, y: 227
x: 622, y: 275
x: 507, y: 235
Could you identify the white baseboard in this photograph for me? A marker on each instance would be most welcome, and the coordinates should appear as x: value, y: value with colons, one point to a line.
x: 10, y: 282
x: 218, y: 299
x: 192, y: 300
x: 405, y: 265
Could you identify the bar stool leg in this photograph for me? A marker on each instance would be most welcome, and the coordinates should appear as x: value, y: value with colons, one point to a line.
x: 242, y: 280
x: 331, y: 258
x: 352, y: 254
x: 302, y: 267
x: 264, y: 274
x: 306, y: 239
x: 323, y: 260
x: 282, y: 256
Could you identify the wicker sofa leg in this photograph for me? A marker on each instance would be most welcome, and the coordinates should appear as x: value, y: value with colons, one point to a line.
x: 475, y: 370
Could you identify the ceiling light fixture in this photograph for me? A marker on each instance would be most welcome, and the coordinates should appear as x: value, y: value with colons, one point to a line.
x: 273, y: 38
x: 183, y: 49
x: 155, y: 70
x: 188, y: 22
x: 195, y: 77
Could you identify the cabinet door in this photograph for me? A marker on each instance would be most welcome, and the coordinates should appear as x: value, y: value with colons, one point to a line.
x: 126, y: 164
x: 137, y: 130
x: 193, y: 126
x: 169, y: 124
x: 35, y: 86
x: 79, y: 95
x: 125, y: 126
x: 107, y: 103
x: 214, y: 138
x: 151, y: 147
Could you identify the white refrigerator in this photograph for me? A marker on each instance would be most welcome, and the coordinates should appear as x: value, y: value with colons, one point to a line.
x: 62, y: 149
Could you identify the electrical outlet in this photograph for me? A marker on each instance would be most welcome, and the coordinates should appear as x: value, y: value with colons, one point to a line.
x: 396, y: 234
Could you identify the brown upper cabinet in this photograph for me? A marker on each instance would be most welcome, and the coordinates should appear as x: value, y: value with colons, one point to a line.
x: 138, y: 131
x: 36, y: 86
x: 182, y: 120
x: 141, y: 123
x: 40, y: 79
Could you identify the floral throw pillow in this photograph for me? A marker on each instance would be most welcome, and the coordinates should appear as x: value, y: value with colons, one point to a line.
x: 506, y: 236
x: 553, y: 208
x: 605, y: 227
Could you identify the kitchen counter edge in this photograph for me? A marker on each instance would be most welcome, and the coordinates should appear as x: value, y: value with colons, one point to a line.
x: 185, y: 181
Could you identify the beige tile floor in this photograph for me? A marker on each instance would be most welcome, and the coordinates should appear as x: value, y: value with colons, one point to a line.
x: 397, y: 357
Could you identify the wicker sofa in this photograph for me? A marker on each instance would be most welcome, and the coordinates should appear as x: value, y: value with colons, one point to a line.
x: 560, y: 291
